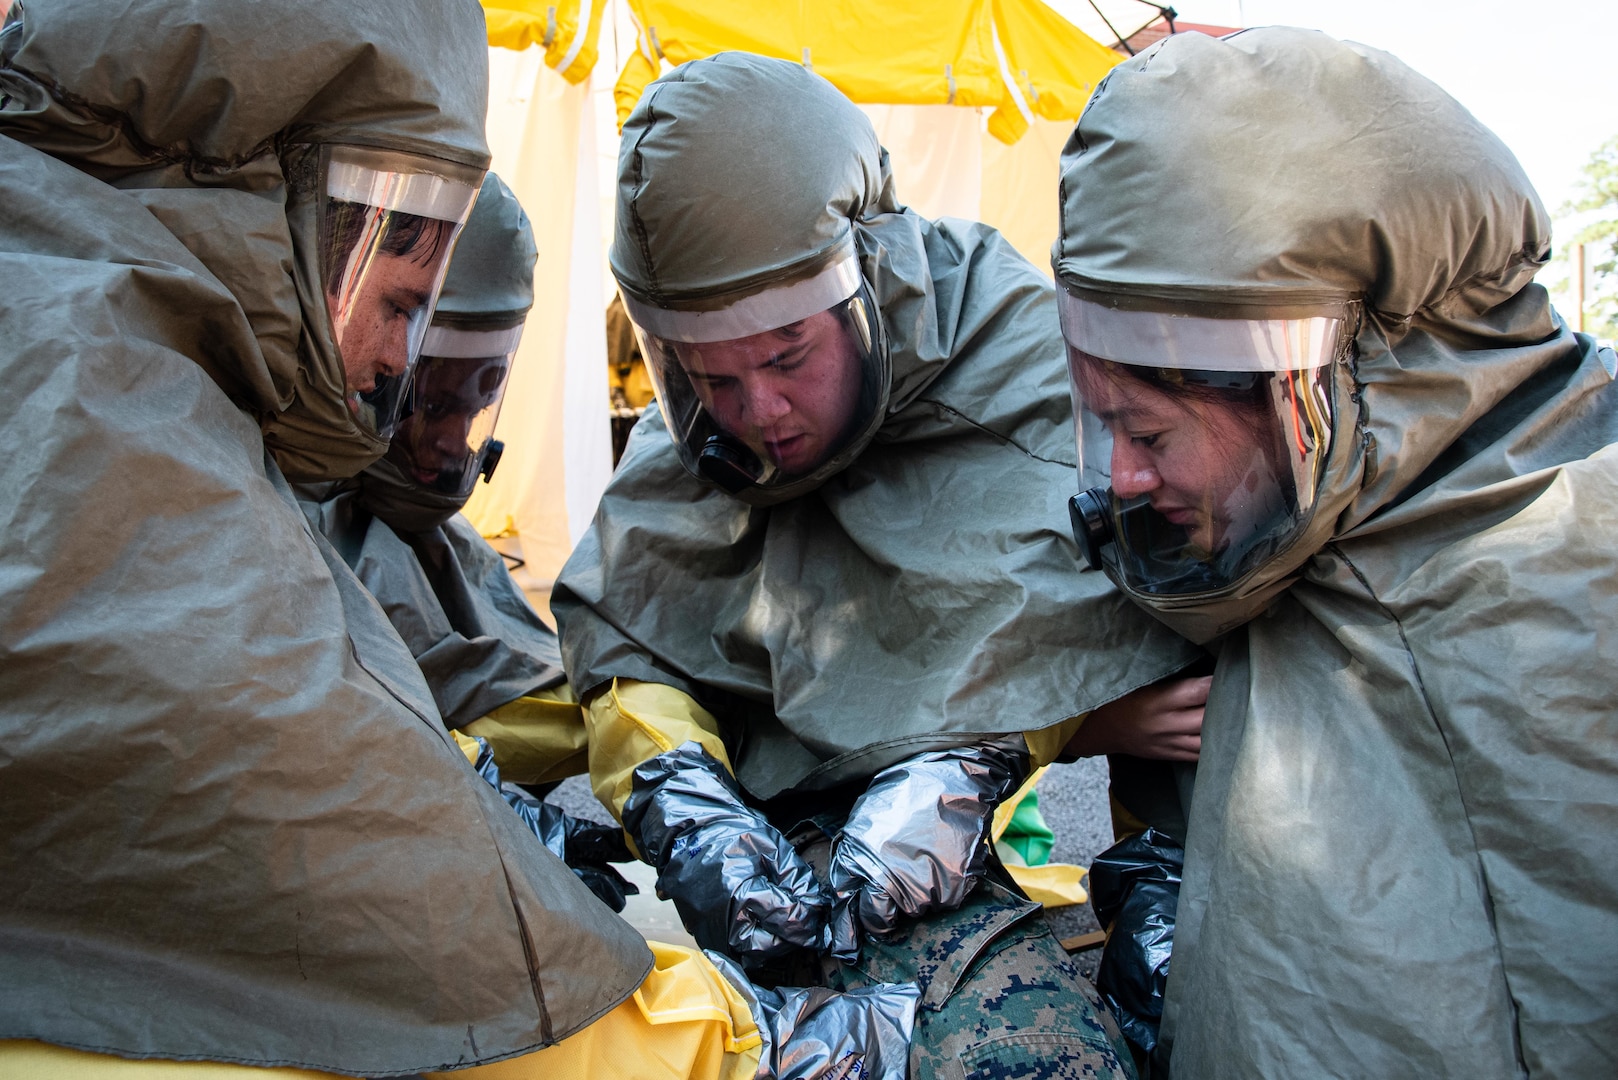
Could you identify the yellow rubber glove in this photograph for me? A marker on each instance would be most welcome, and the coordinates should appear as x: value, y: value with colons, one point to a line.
x: 538, y: 738
x: 1046, y: 744
x: 631, y: 722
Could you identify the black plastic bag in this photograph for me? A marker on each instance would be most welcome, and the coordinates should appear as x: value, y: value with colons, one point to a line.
x: 1135, y: 888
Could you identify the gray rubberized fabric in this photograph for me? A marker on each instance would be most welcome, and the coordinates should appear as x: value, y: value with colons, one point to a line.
x: 917, y: 840
x: 588, y: 847
x: 927, y: 595
x: 490, y: 282
x: 185, y: 105
x: 738, y: 884
x: 449, y: 595
x: 1402, y: 852
x: 235, y: 827
x: 814, y: 1033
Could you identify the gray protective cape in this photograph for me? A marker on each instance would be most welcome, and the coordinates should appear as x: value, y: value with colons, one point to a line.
x: 1403, y: 842
x: 928, y: 595
x: 449, y: 595
x: 235, y: 828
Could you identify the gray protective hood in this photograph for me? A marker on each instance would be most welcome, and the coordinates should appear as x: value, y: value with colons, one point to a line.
x: 929, y: 593
x: 714, y: 205
x: 205, y: 112
x: 1429, y: 231
x: 448, y: 594
x: 1402, y: 839
x: 235, y: 827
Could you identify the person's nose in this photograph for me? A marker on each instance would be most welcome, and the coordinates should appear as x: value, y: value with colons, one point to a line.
x: 450, y: 437
x: 763, y: 405
x: 1132, y: 470
x: 394, y: 356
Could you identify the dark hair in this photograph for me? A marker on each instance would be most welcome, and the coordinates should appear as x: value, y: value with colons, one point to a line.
x: 414, y: 235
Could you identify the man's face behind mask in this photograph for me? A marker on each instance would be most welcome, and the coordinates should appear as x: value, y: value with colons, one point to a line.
x: 387, y: 228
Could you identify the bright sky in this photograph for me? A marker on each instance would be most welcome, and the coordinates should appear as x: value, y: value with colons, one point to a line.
x: 1542, y: 73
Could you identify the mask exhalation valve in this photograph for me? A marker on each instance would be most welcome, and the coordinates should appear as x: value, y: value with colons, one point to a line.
x: 728, y: 464
x: 1092, y: 526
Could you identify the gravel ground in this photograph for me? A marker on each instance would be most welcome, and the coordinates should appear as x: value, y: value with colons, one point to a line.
x: 1073, y: 799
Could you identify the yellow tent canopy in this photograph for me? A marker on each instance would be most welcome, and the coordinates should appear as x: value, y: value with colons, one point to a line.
x: 568, y: 31
x: 1018, y: 58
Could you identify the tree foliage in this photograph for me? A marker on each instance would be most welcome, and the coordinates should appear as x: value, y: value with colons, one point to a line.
x: 1594, y: 208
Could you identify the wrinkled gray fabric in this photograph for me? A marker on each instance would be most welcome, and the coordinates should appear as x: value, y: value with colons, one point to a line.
x: 818, y: 1034
x: 235, y: 828
x: 736, y: 881
x: 921, y: 598
x: 916, y: 841
x: 587, y: 847
x: 450, y: 597
x: 205, y: 112
x: 490, y: 283
x: 1402, y: 852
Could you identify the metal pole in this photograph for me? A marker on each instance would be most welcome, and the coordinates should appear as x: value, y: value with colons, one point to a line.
x: 1578, y: 287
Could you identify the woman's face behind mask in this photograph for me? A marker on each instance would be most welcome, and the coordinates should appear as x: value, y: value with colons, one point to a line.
x: 1206, y: 462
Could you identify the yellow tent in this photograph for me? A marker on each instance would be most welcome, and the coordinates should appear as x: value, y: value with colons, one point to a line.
x: 972, y: 98
x: 1018, y: 58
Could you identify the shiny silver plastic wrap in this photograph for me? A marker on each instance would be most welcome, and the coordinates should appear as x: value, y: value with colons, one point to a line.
x: 917, y: 840
x: 812, y: 1033
x: 737, y: 883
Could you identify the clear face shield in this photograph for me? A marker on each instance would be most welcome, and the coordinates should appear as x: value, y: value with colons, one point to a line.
x: 765, y: 391
x: 447, y: 439
x: 1207, y: 438
x: 387, y: 226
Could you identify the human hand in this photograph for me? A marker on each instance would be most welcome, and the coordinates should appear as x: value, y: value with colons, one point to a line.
x: 738, y: 885
x: 1161, y: 721
x: 916, y: 840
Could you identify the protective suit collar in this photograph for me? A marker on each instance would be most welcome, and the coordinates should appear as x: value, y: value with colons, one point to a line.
x: 211, y: 129
x: 1439, y: 262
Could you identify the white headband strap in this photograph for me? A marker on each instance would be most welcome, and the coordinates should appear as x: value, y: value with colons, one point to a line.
x: 455, y: 344
x: 420, y: 193
x: 754, y: 314
x: 1159, y: 339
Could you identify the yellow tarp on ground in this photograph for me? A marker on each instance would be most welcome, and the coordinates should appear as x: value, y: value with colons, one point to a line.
x: 1016, y: 57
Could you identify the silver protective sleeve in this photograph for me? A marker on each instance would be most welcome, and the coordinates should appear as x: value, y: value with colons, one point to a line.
x: 737, y: 883
x: 916, y: 841
x: 816, y: 1032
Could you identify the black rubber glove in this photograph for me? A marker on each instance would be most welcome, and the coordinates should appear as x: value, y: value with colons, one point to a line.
x: 739, y: 886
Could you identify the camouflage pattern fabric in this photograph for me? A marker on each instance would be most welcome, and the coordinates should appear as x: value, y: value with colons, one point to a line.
x: 1000, y: 998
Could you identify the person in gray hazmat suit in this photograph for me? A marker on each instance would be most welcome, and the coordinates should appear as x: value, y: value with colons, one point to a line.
x: 828, y: 592
x: 1331, y: 427
x: 491, y: 664
x: 236, y: 828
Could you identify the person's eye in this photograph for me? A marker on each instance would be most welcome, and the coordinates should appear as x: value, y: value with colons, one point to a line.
x: 1149, y: 442
x: 787, y: 361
